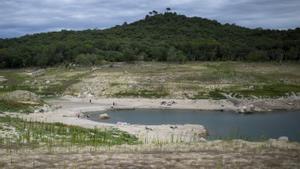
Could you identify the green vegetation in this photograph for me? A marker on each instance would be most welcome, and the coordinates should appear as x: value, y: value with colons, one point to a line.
x: 159, y: 37
x: 143, y: 93
x: 14, y: 81
x: 235, y: 134
x: 193, y: 80
x: 271, y: 90
x: 58, y: 89
x: 52, y: 83
x: 28, y: 133
x: 11, y: 106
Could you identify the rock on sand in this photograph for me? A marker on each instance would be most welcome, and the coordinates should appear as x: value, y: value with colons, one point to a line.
x: 283, y: 139
x: 104, y: 116
x: 167, y: 133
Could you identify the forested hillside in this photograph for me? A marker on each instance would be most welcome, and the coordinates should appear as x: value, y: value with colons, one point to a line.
x: 158, y: 37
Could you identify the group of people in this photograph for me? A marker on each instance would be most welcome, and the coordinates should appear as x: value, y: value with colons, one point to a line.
x: 78, y: 115
x: 113, y: 104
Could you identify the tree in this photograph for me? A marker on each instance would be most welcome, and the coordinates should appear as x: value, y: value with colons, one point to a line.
x: 147, y: 17
x: 89, y: 59
x: 154, y: 12
x: 175, y: 55
x: 292, y: 54
x: 3, y: 58
x: 163, y: 37
x: 257, y: 56
x: 158, y: 53
x: 276, y: 54
x: 129, y: 55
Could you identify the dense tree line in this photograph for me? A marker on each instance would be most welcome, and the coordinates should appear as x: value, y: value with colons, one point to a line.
x: 159, y: 37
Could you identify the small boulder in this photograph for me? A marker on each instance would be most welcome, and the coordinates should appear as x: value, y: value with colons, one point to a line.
x: 163, y: 103
x: 251, y: 87
x: 104, y: 116
x: 246, y: 109
x: 242, y: 109
x: 2, y: 79
x: 37, y: 73
x: 283, y: 139
x: 202, y: 139
x: 250, y: 109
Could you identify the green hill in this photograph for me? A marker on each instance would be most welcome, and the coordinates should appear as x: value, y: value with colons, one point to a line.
x: 161, y: 37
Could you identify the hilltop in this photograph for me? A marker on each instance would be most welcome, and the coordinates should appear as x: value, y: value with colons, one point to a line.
x: 159, y: 37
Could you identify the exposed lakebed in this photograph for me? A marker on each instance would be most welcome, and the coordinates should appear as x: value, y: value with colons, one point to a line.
x: 219, y: 124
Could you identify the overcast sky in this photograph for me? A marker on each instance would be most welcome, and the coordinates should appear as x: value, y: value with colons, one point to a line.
x: 20, y: 17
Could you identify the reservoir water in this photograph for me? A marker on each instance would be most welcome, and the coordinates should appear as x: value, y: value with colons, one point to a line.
x: 219, y: 124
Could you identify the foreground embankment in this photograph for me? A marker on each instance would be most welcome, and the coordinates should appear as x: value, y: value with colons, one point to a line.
x: 213, y: 154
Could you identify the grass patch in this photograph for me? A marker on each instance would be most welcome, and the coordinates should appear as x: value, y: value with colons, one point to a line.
x: 114, y: 84
x: 143, y: 93
x: 197, y: 80
x: 14, y: 81
x: 11, y: 106
x: 58, y: 89
x: 13, y: 77
x: 263, y: 90
x: 236, y: 134
x: 199, y: 95
x: 63, y: 79
x: 213, y: 94
x: 216, y: 94
x: 30, y: 133
x: 272, y: 90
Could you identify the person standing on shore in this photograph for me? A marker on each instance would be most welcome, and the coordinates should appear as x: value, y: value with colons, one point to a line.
x: 113, y: 105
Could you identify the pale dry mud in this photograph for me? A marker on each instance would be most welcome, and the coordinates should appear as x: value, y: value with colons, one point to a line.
x: 214, y: 154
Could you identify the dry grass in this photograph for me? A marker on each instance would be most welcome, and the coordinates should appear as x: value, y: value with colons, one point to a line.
x: 151, y: 79
x: 217, y: 154
x: 191, y: 80
x: 53, y: 82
